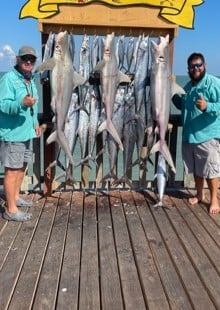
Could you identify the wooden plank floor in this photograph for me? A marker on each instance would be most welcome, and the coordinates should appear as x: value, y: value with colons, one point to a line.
x: 111, y: 250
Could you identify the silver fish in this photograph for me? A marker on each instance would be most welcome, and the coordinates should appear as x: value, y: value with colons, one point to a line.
x: 117, y: 119
x: 48, y: 52
x: 84, y: 58
x: 120, y: 51
x: 129, y: 140
x: 83, y: 128
x: 110, y: 79
x: 161, y: 179
x: 72, y: 46
x: 129, y: 137
x: 70, y: 130
x: 130, y: 53
x: 136, y: 51
x: 141, y: 74
x: 95, y: 52
x: 95, y: 112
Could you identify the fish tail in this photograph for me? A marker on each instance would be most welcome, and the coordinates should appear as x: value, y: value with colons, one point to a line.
x: 161, y: 146
x: 109, y: 126
x: 52, y: 137
x: 61, y: 138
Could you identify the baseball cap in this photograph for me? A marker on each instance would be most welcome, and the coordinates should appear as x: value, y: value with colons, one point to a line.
x: 27, y: 50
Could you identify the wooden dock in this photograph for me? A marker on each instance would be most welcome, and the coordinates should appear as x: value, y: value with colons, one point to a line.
x: 111, y: 250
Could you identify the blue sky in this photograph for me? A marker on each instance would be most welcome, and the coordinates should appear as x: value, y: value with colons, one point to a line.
x: 203, y: 38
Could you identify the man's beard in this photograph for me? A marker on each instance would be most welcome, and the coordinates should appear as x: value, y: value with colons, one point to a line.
x: 198, y: 78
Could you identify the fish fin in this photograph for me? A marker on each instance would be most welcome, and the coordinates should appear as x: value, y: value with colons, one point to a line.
x: 161, y: 146
x: 123, y: 179
x: 78, y: 79
x: 99, y: 65
x: 123, y: 77
x: 47, y: 65
x: 176, y: 89
x: 109, y: 126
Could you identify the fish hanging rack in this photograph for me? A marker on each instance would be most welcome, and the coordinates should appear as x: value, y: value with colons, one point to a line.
x: 99, y: 19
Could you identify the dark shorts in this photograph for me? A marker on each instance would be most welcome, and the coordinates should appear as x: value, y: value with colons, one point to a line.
x: 202, y: 159
x: 15, y: 154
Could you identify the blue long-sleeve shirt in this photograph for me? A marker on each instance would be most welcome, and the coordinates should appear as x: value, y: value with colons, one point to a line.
x: 17, y: 122
x: 200, y: 126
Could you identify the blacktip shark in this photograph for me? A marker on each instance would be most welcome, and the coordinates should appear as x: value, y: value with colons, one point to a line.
x: 64, y: 79
x: 162, y: 88
x: 111, y: 77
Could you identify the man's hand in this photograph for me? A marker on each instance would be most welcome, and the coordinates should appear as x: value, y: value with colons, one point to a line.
x: 38, y: 131
x: 201, y: 103
x: 29, y: 101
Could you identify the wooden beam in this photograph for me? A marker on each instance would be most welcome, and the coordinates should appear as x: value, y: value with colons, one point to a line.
x: 102, y: 19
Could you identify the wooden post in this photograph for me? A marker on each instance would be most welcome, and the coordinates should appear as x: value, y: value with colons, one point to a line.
x: 49, y: 150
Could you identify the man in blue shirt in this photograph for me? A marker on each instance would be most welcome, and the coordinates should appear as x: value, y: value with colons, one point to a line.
x: 18, y: 125
x: 200, y: 108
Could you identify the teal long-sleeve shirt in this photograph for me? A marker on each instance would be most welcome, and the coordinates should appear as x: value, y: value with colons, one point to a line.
x: 17, y: 122
x: 200, y: 126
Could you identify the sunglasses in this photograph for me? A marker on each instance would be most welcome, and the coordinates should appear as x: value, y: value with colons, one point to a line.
x: 193, y: 66
x: 26, y: 58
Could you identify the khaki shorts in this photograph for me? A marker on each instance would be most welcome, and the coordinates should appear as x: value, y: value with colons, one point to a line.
x: 15, y: 154
x: 202, y: 159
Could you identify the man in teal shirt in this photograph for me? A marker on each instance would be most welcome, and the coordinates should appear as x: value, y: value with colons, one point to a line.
x: 18, y: 125
x: 200, y: 108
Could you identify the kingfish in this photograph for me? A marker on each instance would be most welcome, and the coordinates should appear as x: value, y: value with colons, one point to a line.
x: 120, y: 51
x: 111, y: 77
x: 130, y: 53
x: 48, y: 52
x: 141, y: 74
x: 117, y: 119
x: 161, y: 179
x: 95, y: 112
x: 70, y: 130
x: 129, y: 137
x: 95, y: 51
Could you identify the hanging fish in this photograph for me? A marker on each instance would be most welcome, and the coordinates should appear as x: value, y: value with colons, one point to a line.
x: 64, y: 79
x: 95, y: 52
x: 48, y: 53
x: 130, y: 54
x: 110, y: 79
x: 120, y: 51
x: 161, y: 179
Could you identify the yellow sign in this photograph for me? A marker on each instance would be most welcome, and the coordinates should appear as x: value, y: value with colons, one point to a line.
x: 179, y: 12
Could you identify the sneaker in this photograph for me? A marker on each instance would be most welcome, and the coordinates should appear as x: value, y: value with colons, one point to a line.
x: 18, y: 216
x: 24, y: 203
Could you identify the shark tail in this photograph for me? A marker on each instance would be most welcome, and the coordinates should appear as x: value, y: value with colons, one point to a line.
x: 60, y: 138
x: 52, y: 137
x: 161, y: 146
x: 109, y: 126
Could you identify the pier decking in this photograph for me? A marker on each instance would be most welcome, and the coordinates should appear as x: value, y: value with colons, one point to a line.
x: 111, y: 250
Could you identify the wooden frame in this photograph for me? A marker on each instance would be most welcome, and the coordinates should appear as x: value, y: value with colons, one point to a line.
x: 100, y: 19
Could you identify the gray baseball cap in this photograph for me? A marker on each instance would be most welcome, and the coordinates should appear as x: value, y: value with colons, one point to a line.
x: 27, y: 50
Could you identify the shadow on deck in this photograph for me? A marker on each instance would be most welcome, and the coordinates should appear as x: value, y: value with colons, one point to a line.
x: 111, y: 250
